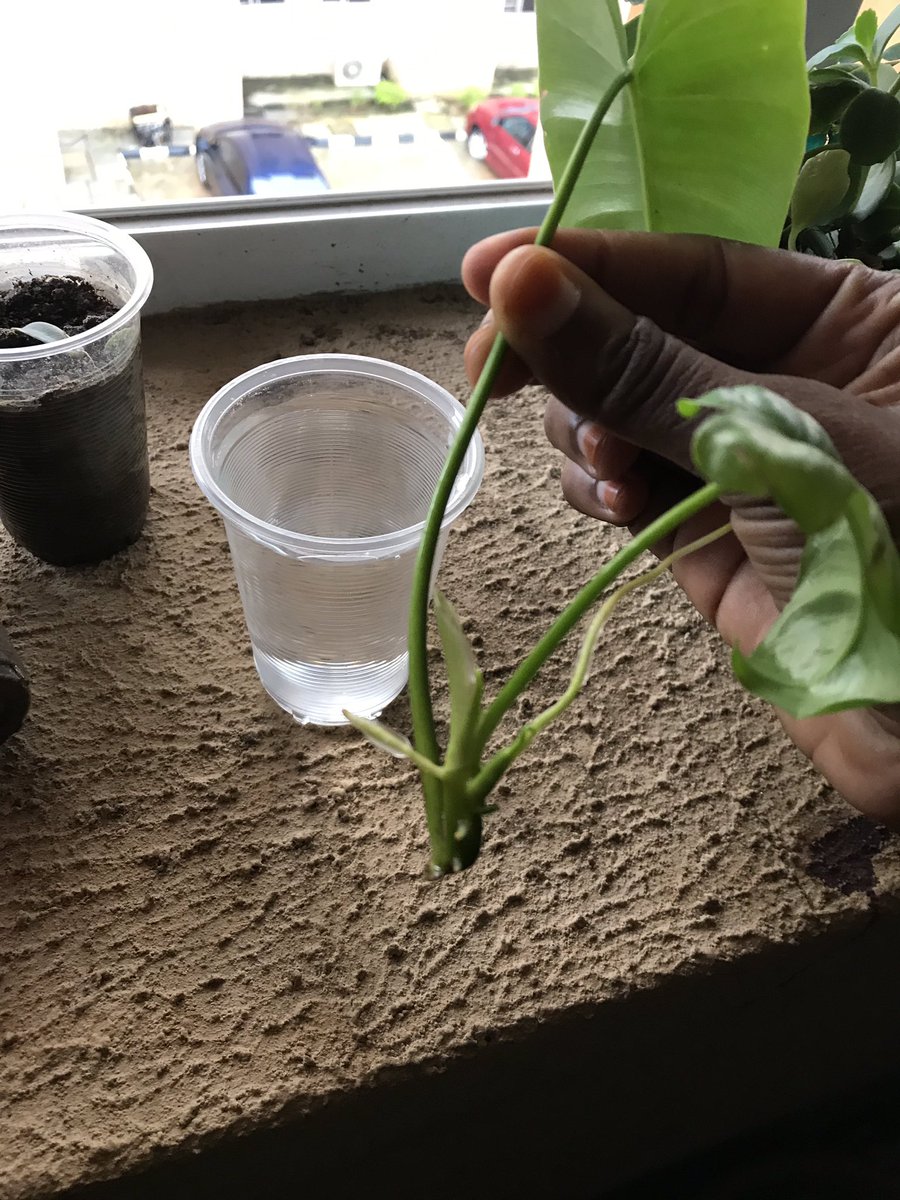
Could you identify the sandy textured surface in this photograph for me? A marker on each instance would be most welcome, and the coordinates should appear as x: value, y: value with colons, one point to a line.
x: 213, y: 919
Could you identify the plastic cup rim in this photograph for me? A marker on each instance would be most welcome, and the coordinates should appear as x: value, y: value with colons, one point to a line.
x: 102, y: 232
x: 383, y: 545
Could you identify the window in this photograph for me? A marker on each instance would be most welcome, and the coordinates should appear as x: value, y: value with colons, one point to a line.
x: 520, y: 129
x: 381, y: 90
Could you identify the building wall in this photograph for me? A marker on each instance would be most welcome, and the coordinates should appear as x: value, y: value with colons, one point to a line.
x: 430, y: 46
x: 440, y: 48
x: 313, y: 37
x: 98, y: 58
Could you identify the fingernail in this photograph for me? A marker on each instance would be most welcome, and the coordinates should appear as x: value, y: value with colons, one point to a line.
x: 558, y: 308
x: 588, y: 437
x: 488, y: 319
x: 540, y: 294
x: 608, y: 495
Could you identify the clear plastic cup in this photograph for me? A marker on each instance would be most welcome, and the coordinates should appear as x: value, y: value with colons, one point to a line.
x: 74, y: 471
x: 323, y: 468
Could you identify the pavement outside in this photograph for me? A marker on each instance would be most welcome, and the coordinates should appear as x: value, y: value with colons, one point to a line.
x: 432, y: 155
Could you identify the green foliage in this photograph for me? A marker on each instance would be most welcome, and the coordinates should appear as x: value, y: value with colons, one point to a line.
x: 696, y: 127
x: 831, y: 90
x: 389, y: 94
x: 820, y: 190
x: 846, y: 51
x: 710, y: 133
x: 632, y: 29
x: 866, y: 29
x: 886, y: 32
x: 854, y: 108
x: 836, y: 645
x: 883, y: 224
x: 470, y: 97
x: 870, y: 127
x: 458, y: 787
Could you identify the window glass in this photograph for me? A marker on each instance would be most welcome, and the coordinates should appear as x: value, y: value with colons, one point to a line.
x: 381, y: 91
x: 519, y: 128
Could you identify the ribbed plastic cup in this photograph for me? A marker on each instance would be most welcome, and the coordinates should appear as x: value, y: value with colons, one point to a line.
x: 323, y: 468
x: 74, y: 472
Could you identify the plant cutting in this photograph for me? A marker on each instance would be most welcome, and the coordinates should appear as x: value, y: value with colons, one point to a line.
x: 700, y: 128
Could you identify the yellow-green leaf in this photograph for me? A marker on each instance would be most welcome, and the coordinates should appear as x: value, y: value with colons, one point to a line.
x: 709, y: 135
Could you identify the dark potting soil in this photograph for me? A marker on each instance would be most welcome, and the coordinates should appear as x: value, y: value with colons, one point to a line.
x: 74, y: 474
x: 72, y: 304
x: 15, y: 693
x: 842, y: 858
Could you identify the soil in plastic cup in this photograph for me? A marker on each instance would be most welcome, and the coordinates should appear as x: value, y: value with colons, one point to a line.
x: 74, y: 471
x: 323, y: 468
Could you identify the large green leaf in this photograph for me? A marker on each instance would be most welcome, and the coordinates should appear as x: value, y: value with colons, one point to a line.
x: 632, y: 29
x: 866, y: 29
x: 709, y: 134
x: 886, y: 32
x: 847, y: 49
x: 836, y: 645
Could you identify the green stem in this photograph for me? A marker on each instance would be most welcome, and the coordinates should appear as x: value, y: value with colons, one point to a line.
x: 424, y: 737
x: 607, y: 608
x: 895, y: 86
x: 492, y: 772
x: 586, y: 598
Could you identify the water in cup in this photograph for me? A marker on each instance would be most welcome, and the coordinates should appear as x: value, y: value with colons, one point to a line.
x: 327, y: 476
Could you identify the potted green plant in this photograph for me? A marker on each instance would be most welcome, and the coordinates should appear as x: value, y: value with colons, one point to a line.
x: 699, y: 124
x: 846, y: 203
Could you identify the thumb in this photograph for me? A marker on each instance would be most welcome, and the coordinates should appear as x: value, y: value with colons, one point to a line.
x: 625, y: 373
x: 600, y: 359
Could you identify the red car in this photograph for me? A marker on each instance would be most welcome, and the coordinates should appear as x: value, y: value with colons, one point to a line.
x: 500, y: 131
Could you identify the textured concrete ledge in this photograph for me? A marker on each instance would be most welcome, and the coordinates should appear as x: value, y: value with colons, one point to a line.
x: 217, y: 947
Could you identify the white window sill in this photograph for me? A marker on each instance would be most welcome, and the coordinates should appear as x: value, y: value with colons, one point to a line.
x: 221, y: 250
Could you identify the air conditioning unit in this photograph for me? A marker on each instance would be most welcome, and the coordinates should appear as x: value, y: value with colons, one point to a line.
x: 354, y: 70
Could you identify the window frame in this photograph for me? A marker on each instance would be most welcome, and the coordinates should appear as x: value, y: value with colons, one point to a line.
x: 230, y: 249
x: 201, y: 251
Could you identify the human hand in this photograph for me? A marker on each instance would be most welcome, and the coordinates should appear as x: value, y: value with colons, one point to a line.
x: 618, y: 326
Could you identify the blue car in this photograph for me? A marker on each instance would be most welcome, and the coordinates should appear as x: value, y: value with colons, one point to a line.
x: 256, y: 158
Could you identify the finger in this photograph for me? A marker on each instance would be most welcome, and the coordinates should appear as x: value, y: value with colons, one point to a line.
x: 595, y: 356
x: 745, y: 304
x: 626, y: 374
x: 707, y: 578
x: 596, y: 450
x: 615, y: 501
x: 866, y: 437
x: 480, y: 260
x: 858, y: 752
x: 513, y: 373
x: 666, y: 485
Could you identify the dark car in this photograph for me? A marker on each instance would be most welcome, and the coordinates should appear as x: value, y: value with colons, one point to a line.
x: 500, y: 131
x: 256, y: 158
